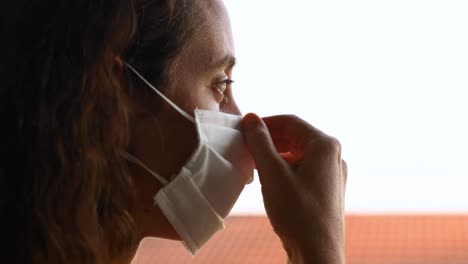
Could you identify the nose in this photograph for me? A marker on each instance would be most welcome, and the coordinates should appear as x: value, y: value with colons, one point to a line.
x: 231, y: 108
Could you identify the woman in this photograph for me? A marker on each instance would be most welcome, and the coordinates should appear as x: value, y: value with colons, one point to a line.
x: 86, y: 132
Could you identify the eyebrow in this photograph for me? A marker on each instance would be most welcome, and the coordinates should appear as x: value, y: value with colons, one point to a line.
x: 228, y: 61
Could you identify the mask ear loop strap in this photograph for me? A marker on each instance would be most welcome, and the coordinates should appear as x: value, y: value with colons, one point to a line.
x: 182, y: 112
x: 136, y: 161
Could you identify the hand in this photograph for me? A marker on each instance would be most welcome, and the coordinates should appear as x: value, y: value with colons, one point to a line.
x: 303, y: 182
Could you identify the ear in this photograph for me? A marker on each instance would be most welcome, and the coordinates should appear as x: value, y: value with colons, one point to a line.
x: 135, y: 105
x: 118, y: 71
x: 118, y: 67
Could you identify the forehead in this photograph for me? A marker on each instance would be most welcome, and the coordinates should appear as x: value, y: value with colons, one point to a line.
x: 212, y: 40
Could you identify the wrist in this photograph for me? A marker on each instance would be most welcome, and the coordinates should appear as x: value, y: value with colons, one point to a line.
x: 324, y: 248
x: 316, y: 254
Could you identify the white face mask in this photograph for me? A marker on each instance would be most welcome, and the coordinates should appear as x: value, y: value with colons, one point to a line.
x: 202, y: 194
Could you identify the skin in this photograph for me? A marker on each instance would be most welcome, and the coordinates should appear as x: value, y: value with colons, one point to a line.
x: 304, y: 166
x: 293, y: 158
x: 165, y: 141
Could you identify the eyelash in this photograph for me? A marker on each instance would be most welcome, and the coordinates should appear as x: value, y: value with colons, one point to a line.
x: 228, y: 83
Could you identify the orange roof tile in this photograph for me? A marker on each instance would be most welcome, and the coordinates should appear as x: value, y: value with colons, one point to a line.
x: 428, y: 239
x: 386, y: 239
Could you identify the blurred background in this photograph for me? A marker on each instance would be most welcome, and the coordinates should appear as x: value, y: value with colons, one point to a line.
x: 389, y: 79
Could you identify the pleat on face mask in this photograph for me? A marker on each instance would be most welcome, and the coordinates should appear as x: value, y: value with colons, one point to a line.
x: 202, y: 194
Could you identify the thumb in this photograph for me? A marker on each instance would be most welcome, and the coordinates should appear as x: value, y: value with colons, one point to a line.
x: 260, y: 145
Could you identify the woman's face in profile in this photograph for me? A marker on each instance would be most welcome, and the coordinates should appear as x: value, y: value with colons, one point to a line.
x: 204, y: 67
x: 200, y: 78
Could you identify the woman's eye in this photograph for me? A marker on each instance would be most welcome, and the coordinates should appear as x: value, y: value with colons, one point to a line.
x: 222, y: 86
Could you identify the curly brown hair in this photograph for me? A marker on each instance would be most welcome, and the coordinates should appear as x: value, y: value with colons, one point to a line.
x: 66, y: 195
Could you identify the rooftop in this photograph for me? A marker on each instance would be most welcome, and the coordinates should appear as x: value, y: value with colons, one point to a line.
x: 386, y: 239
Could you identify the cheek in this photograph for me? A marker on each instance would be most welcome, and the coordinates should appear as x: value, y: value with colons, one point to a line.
x: 199, y: 96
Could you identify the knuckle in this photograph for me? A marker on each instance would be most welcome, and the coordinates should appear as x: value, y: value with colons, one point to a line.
x: 292, y: 116
x: 297, y: 119
x: 328, y: 144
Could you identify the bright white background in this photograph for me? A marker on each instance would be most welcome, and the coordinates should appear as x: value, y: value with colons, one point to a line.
x: 388, y: 78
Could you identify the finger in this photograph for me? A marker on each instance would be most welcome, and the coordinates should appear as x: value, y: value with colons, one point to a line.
x: 292, y: 155
x: 344, y: 169
x: 283, y: 145
x: 288, y: 152
x: 269, y: 163
x: 290, y: 133
x: 290, y: 158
